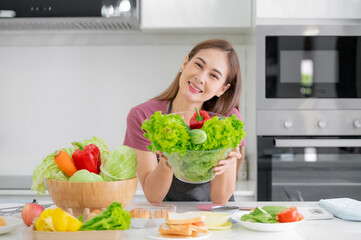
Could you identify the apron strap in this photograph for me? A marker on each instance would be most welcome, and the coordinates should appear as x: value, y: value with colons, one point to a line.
x: 170, y: 106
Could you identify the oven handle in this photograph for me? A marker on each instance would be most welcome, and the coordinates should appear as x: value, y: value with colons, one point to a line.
x: 317, y: 142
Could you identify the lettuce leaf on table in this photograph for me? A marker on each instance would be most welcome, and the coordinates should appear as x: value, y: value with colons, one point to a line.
x: 113, y: 218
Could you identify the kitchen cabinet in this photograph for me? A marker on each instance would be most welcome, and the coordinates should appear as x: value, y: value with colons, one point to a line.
x: 308, y: 9
x: 190, y: 14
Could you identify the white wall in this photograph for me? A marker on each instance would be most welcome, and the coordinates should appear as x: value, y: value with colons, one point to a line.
x: 55, y: 89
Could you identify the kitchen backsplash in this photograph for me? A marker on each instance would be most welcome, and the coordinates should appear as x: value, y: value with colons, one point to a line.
x: 54, y: 94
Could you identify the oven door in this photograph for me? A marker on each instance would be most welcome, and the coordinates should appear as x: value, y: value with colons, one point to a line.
x: 308, y: 168
x: 313, y: 67
x: 308, y: 67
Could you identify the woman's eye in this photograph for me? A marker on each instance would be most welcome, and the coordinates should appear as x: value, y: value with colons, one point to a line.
x: 214, y: 76
x: 199, y: 65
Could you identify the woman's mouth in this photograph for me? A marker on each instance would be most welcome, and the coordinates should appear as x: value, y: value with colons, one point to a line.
x: 194, y: 88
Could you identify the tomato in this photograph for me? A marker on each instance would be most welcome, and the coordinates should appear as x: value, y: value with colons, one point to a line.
x: 299, y: 217
x: 288, y: 215
x: 198, y: 224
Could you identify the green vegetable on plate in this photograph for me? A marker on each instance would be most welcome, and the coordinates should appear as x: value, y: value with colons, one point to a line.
x: 273, y: 210
x: 266, y: 214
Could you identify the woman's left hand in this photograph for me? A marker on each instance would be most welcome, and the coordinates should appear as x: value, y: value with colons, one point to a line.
x: 230, y: 161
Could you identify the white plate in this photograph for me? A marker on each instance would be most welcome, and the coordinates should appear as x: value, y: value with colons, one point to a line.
x: 265, y: 227
x: 11, y: 224
x: 154, y: 234
x: 270, y: 227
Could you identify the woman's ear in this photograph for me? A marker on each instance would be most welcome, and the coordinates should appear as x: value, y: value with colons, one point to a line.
x: 222, y: 90
x: 185, y: 62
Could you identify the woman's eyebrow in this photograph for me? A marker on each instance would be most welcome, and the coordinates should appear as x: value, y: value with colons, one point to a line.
x: 204, y: 62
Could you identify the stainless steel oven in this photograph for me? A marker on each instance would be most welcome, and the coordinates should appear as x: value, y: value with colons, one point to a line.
x: 308, y: 112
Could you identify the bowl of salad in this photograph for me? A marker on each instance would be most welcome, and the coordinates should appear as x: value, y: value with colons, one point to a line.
x: 195, y: 166
x: 193, y: 141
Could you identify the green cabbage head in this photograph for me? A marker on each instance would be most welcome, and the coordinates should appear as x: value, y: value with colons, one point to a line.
x: 121, y: 164
x: 84, y: 175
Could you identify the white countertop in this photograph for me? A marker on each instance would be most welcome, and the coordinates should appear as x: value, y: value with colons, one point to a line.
x: 310, y: 229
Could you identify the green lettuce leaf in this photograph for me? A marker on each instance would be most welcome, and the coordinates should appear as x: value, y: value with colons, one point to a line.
x: 273, y: 210
x: 113, y: 218
x: 167, y: 133
x: 260, y: 215
x: 48, y: 169
x: 222, y: 133
x: 100, y: 143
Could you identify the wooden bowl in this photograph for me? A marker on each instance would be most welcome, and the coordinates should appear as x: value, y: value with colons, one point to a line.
x: 92, y: 195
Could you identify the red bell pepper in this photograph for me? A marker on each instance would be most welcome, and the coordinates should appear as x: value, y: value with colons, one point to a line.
x: 87, y: 157
x: 198, y: 119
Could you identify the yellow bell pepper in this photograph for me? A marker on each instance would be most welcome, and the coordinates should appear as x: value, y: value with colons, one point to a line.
x: 64, y: 222
x: 57, y: 220
x: 44, y: 222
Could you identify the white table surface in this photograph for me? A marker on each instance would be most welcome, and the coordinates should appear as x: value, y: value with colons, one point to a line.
x: 336, y: 229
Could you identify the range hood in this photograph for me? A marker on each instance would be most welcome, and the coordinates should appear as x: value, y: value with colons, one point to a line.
x: 69, y: 15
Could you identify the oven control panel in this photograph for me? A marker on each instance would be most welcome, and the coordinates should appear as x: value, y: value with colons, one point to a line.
x: 308, y: 122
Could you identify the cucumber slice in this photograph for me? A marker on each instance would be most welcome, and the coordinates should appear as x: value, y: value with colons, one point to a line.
x: 198, y: 136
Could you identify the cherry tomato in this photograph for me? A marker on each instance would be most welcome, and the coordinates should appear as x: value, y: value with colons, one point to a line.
x: 299, y: 217
x: 288, y: 215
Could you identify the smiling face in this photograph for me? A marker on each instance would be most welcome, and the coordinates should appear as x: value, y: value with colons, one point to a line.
x: 204, y: 75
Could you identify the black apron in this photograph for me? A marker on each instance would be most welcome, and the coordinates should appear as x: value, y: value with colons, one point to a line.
x: 181, y: 191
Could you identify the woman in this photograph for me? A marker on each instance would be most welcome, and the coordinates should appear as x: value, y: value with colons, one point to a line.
x: 208, y: 79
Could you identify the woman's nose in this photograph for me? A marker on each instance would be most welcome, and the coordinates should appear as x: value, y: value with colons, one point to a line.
x: 201, y: 77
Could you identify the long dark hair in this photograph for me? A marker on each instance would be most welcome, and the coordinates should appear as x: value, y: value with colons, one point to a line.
x: 230, y: 98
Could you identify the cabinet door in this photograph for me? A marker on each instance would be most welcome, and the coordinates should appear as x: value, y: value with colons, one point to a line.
x: 308, y: 9
x: 189, y: 14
